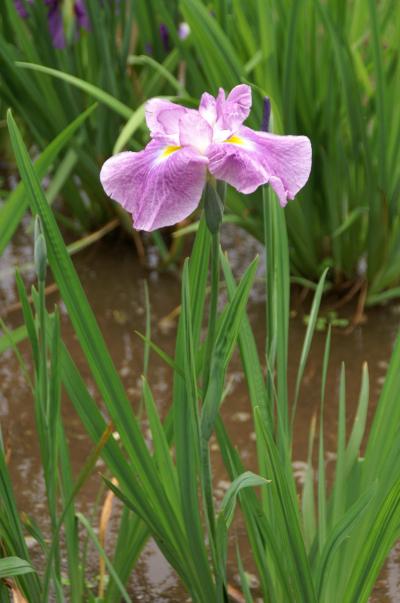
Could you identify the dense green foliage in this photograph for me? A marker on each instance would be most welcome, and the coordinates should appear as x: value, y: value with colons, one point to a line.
x: 330, y: 68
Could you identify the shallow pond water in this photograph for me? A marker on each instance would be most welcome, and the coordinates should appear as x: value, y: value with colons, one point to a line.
x: 113, y: 280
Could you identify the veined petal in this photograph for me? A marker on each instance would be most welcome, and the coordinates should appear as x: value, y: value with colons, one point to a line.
x: 159, y: 186
x: 195, y: 131
x: 286, y: 159
x: 208, y: 108
x: 226, y: 115
x: 235, y: 163
x: 235, y: 109
x: 162, y: 118
x: 248, y: 159
x: 238, y: 105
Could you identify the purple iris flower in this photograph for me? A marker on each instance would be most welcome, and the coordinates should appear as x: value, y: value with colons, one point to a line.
x: 163, y: 184
x: 183, y: 30
x: 81, y: 16
x: 164, y: 35
x: 55, y: 21
x: 55, y: 18
x: 183, y: 33
x: 20, y: 6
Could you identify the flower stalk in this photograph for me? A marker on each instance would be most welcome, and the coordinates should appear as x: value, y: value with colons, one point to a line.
x: 214, y: 197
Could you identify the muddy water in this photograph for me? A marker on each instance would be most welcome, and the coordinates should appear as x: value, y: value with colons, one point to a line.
x: 113, y: 280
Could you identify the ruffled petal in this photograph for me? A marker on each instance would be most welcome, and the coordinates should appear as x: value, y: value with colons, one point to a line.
x: 208, y: 108
x: 226, y: 115
x: 249, y: 159
x: 236, y: 108
x: 162, y: 118
x: 159, y: 186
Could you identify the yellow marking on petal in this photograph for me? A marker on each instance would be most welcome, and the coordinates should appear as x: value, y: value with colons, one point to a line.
x: 235, y: 140
x: 169, y: 150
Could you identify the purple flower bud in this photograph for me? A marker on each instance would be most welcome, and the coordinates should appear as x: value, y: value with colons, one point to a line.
x: 266, y: 115
x: 81, y: 16
x: 148, y: 48
x: 164, y: 35
x: 55, y: 18
x: 20, y: 7
x: 55, y: 21
x: 183, y: 30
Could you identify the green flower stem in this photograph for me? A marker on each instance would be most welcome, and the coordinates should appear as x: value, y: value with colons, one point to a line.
x: 213, y: 206
x: 206, y: 471
x: 212, y: 319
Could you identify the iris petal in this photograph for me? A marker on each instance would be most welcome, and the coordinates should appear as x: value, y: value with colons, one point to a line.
x: 159, y: 187
x: 195, y: 131
x: 255, y: 158
x: 236, y: 108
x: 162, y: 118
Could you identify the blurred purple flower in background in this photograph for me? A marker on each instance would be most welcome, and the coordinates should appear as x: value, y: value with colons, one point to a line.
x: 163, y: 184
x: 20, y: 6
x: 82, y: 18
x: 55, y: 17
x: 164, y: 35
x: 55, y: 21
x: 183, y: 33
x: 183, y: 30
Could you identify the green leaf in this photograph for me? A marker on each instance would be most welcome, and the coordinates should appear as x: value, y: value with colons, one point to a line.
x: 351, y: 218
x: 95, y: 91
x: 82, y: 519
x: 158, y: 67
x: 14, y: 208
x: 218, y: 54
x: 244, y: 582
x: 308, y: 338
x: 379, y: 539
x: 14, y: 566
x: 162, y: 454
x: 277, y: 294
x: 359, y: 423
x: 133, y: 123
x: 11, y: 338
x: 337, y: 535
x: 286, y: 513
x: 11, y: 529
x: 227, y: 510
x: 223, y: 348
x: 246, y: 480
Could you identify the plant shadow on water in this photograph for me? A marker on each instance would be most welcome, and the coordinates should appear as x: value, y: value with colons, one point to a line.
x: 113, y: 280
